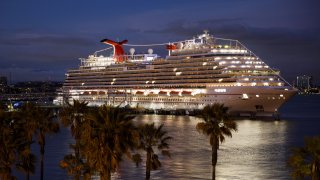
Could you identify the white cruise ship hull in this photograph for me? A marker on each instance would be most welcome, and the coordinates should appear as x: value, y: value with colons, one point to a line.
x: 246, y: 101
x: 197, y: 72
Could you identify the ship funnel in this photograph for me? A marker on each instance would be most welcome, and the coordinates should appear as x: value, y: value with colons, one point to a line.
x: 118, y: 51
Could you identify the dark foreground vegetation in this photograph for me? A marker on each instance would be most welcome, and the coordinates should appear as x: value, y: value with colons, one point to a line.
x: 305, y: 161
x: 104, y: 135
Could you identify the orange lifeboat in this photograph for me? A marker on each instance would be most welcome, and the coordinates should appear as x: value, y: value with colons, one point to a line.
x: 94, y: 92
x: 163, y: 93
x: 139, y: 93
x: 174, y: 93
x: 186, y: 93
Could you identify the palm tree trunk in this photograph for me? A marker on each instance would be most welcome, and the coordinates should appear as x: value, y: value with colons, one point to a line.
x: 28, y: 176
x: 41, y: 160
x: 108, y: 175
x: 315, y: 173
x: 78, y: 159
x: 77, y: 176
x: 214, y: 156
x: 105, y: 175
x: 148, y: 165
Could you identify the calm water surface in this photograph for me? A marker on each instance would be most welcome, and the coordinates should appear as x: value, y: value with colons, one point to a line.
x: 259, y: 149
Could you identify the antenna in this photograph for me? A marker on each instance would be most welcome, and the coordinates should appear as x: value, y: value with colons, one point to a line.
x: 10, y: 78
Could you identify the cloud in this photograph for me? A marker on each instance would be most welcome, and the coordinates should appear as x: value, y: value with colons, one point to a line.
x: 26, y: 74
x: 24, y: 37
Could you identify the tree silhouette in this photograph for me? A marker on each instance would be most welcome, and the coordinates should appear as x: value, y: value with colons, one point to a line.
x: 216, y: 125
x: 151, y: 137
x: 305, y: 161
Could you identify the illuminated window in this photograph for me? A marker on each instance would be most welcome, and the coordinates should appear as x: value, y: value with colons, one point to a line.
x: 245, y: 96
x: 220, y: 90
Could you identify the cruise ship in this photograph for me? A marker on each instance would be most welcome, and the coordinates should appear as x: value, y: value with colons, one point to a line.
x: 196, y: 72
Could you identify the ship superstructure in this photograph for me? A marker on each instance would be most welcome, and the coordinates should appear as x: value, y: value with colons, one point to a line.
x: 200, y: 71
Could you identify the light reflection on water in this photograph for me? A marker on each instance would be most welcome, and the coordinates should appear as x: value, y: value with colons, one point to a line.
x: 254, y: 152
x: 259, y: 149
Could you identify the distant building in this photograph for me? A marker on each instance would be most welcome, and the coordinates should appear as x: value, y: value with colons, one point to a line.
x: 3, y: 84
x: 3, y: 81
x: 304, y: 82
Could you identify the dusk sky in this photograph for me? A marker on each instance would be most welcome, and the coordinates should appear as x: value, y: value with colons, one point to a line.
x: 41, y: 39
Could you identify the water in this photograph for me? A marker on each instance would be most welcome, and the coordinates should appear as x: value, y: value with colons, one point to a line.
x: 259, y: 150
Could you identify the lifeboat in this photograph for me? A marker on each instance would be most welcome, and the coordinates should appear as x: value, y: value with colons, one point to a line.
x: 162, y: 93
x: 186, y: 93
x: 86, y: 93
x: 102, y: 93
x: 94, y: 92
x: 174, y: 93
x: 139, y: 93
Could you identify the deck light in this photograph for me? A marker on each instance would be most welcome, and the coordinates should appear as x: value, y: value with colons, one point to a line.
x: 245, y: 96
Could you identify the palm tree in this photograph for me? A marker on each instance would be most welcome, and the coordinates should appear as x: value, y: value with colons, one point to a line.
x: 27, y: 160
x: 26, y: 126
x: 8, y: 143
x: 216, y: 125
x: 108, y: 134
x: 45, y: 125
x: 73, y: 165
x: 73, y: 115
x: 150, y: 137
x: 305, y: 161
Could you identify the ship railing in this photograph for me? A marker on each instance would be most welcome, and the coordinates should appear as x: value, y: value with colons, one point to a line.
x: 231, y: 46
x: 273, y: 70
x: 135, y: 58
x: 106, y: 61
